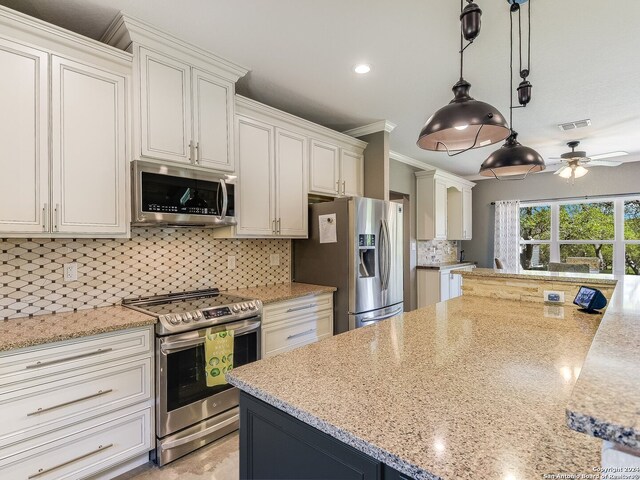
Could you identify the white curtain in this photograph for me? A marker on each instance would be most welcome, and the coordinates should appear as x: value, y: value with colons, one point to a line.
x: 507, y: 234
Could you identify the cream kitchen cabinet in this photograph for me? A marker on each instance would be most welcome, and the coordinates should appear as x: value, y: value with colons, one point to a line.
x: 185, y: 110
x: 444, y: 206
x: 272, y: 190
x: 82, y: 407
x: 63, y: 141
x: 438, y: 285
x: 293, y: 323
x: 335, y: 171
x: 186, y: 113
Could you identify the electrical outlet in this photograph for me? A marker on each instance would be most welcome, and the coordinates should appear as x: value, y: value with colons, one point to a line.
x: 231, y: 262
x: 553, y: 311
x: 70, y: 271
x: 274, y: 259
x: 553, y: 296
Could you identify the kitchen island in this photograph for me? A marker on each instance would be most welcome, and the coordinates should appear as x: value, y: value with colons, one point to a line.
x: 470, y: 388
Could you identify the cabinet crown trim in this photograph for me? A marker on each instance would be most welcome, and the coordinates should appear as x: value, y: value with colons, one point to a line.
x: 126, y: 30
x: 247, y: 107
x: 449, y: 178
x: 11, y: 20
x: 381, y: 126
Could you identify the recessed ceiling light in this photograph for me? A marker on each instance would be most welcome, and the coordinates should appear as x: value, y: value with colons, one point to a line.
x: 362, y: 68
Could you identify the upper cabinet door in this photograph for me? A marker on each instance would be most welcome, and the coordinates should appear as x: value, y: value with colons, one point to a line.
x: 291, y: 184
x: 165, y: 107
x: 24, y: 147
x: 467, y: 211
x: 324, y: 169
x: 352, y: 173
x: 89, y: 163
x: 440, y: 211
x: 213, y: 108
x: 255, y: 203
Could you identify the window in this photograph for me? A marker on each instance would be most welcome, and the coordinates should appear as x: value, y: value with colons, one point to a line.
x: 535, y: 231
x: 632, y: 237
x: 602, y: 234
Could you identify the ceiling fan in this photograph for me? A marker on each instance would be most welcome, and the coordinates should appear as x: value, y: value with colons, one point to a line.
x: 576, y: 161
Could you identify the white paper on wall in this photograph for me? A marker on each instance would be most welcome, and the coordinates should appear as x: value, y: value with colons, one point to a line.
x: 327, y: 228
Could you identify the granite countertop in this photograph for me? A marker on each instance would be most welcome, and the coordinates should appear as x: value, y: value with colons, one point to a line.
x: 469, y: 388
x: 445, y: 265
x: 278, y: 293
x: 606, y: 399
x: 543, y: 275
x: 41, y: 329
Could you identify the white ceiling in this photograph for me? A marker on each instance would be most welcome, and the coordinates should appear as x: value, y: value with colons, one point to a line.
x: 301, y: 53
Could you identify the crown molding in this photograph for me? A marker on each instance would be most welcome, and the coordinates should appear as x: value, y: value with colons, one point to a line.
x: 249, y: 107
x: 410, y: 161
x: 125, y: 31
x: 381, y: 126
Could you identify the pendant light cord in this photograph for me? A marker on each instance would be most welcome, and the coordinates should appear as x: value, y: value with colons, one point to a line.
x: 511, y: 69
x: 461, y: 43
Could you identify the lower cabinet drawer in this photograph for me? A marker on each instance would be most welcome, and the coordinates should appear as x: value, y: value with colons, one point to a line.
x: 38, y: 364
x: 52, y: 405
x: 291, y: 309
x: 91, y: 448
x: 287, y: 335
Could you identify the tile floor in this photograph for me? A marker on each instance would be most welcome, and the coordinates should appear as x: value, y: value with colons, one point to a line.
x: 217, y: 461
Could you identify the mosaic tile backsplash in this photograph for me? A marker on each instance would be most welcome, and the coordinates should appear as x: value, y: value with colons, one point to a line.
x: 437, y: 251
x: 154, y: 261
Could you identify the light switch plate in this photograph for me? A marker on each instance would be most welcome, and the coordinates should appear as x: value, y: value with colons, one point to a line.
x: 70, y: 272
x: 274, y: 259
x: 231, y: 262
x: 553, y: 296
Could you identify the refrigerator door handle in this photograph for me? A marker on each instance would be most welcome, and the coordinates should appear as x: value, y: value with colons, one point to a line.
x: 382, y: 251
x: 382, y: 317
x: 387, y: 255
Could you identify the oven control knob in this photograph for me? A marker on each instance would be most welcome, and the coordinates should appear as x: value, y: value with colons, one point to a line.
x: 173, y: 319
x: 235, y: 308
x: 184, y: 318
x: 197, y: 315
x: 244, y: 307
x: 252, y: 306
x: 189, y: 316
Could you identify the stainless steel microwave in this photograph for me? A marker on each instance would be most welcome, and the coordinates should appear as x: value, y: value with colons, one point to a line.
x: 182, y: 196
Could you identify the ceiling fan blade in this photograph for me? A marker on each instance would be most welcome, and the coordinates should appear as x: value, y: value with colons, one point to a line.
x: 603, y: 163
x: 609, y: 155
x: 560, y: 170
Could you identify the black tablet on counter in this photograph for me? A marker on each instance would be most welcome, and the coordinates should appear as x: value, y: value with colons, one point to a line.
x: 590, y: 299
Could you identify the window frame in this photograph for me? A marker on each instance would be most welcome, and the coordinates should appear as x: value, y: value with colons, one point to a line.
x: 619, y: 242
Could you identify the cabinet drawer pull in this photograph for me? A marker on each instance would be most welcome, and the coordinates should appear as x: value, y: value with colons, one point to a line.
x: 338, y: 187
x: 301, y: 334
x: 68, y: 359
x: 296, y: 309
x: 344, y: 187
x: 197, y: 153
x: 42, y: 471
x: 70, y: 402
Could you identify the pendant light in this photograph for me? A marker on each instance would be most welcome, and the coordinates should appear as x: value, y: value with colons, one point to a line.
x: 465, y: 123
x: 513, y: 158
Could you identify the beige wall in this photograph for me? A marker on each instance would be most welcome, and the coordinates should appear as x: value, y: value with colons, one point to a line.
x: 599, y: 181
x: 376, y: 165
x: 402, y: 180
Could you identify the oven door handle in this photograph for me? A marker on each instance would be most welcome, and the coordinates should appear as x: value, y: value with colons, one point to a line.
x: 197, y: 435
x: 194, y: 342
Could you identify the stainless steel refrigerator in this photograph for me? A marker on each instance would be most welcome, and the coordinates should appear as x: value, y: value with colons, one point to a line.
x: 354, y: 244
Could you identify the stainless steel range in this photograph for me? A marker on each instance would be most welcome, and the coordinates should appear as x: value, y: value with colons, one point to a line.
x: 188, y: 413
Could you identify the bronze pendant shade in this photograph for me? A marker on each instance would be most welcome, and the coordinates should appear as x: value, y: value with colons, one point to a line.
x: 512, y: 159
x: 463, y: 124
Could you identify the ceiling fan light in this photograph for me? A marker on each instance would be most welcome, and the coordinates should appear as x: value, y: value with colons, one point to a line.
x: 565, y: 173
x: 512, y: 159
x: 485, y: 125
x: 580, y: 171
